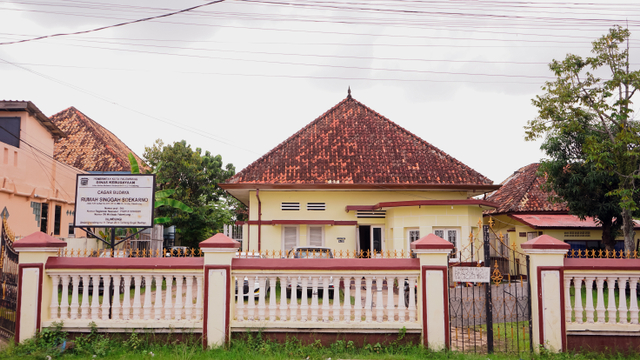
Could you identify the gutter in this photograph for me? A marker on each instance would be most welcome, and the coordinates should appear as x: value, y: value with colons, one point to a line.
x: 259, y: 221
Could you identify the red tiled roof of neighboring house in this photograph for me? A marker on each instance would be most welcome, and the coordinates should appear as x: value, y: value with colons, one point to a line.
x: 558, y: 221
x: 89, y: 146
x: 521, y: 193
x: 352, y: 144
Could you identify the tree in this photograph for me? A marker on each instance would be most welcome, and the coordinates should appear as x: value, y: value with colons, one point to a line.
x: 193, y: 177
x: 580, y: 101
x: 578, y: 182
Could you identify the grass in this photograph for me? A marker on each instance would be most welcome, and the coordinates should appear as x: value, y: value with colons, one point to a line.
x: 246, y: 346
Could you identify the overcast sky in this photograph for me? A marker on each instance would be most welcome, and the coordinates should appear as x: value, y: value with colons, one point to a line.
x: 239, y: 77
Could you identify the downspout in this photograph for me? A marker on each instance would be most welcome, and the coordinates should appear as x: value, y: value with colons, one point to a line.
x: 259, y: 220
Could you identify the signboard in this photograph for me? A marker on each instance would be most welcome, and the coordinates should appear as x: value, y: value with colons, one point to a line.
x: 471, y: 274
x: 114, y: 200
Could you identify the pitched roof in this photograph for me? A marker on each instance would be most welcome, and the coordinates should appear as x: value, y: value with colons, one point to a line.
x: 521, y: 193
x: 352, y: 144
x: 28, y: 106
x: 89, y: 146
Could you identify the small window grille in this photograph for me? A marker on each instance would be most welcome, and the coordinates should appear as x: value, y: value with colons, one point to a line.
x: 315, y: 206
x: 371, y: 214
x: 290, y: 206
x: 577, y: 234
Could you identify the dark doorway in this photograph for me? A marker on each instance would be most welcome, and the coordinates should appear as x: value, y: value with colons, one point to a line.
x: 364, y: 232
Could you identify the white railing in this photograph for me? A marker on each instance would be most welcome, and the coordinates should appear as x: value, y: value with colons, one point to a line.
x: 154, y: 299
x: 597, y: 301
x: 375, y: 301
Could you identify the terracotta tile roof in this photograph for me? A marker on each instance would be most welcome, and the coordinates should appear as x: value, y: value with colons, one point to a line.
x: 521, y: 193
x: 89, y: 146
x: 352, y: 144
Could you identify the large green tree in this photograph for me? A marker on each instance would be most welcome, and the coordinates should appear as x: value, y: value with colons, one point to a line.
x: 594, y: 95
x: 194, y: 178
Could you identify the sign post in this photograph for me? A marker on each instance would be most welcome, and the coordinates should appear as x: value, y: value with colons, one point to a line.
x: 114, y: 201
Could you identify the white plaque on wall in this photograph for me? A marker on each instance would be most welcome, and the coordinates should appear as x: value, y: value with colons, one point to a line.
x: 471, y: 274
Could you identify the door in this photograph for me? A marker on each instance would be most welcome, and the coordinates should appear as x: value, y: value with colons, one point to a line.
x: 370, y: 238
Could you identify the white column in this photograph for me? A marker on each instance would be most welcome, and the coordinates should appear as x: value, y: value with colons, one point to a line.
x: 401, y: 305
x: 84, y: 309
x: 177, y: 307
x: 147, y: 297
x: 74, y: 297
x: 168, y: 294
x: 137, y: 305
x: 95, y: 301
x: 567, y: 298
x: 600, y: 307
x: 188, y: 302
x: 126, y: 303
x: 53, y: 308
x: 262, y: 280
x: 199, y: 297
x: 336, y: 298
x: 346, y: 306
x: 379, y: 298
x: 116, y: 307
x: 325, y: 298
x: 358, y: 302
x: 391, y: 310
x: 273, y: 307
x: 623, y: 309
x: 369, y: 301
x: 64, y: 301
x: 240, y: 298
x: 633, y: 301
x: 577, y: 285
x: 304, y: 306
x: 283, y: 298
x: 611, y: 308
x: 252, y: 298
x: 157, y: 307
x: 314, y: 298
x: 106, y: 292
x: 412, y: 298
x: 588, y: 281
x: 293, y: 305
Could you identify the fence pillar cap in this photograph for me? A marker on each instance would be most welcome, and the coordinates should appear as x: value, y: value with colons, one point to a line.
x: 38, y: 240
x: 546, y: 242
x: 219, y: 242
x: 431, y: 243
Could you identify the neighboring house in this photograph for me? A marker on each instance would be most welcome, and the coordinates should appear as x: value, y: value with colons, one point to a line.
x: 525, y: 212
x: 354, y: 180
x: 37, y: 193
x: 89, y: 146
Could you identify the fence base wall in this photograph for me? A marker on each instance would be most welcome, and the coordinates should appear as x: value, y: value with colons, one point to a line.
x: 604, y: 343
x: 326, y: 338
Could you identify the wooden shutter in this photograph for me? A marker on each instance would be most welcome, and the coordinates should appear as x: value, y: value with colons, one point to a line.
x: 315, y: 236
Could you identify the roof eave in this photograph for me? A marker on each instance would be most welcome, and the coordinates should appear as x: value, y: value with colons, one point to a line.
x: 30, y: 107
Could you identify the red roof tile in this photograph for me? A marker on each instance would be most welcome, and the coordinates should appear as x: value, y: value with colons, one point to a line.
x: 89, y: 146
x: 521, y: 193
x: 352, y: 144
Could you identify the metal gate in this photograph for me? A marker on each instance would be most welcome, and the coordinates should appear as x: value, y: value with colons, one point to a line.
x: 8, y: 281
x: 490, y: 304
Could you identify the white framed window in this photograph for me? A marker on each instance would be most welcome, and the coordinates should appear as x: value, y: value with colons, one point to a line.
x: 452, y: 236
x: 316, y: 235
x: 413, y: 234
x: 289, y: 238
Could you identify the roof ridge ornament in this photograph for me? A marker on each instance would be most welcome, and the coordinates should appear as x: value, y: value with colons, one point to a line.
x: 349, y: 92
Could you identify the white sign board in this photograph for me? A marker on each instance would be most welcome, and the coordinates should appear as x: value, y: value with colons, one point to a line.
x: 114, y: 200
x: 471, y: 274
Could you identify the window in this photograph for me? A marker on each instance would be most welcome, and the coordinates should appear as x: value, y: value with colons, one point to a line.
x: 56, y: 220
x: 10, y: 131
x: 577, y: 234
x: 289, y: 237
x: 315, y: 206
x: 71, y: 231
x: 450, y: 235
x: 533, y: 234
x: 316, y: 237
x: 290, y: 206
x: 413, y: 235
x: 44, y: 217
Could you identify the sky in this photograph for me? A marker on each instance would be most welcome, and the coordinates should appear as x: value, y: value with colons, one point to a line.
x: 237, y: 78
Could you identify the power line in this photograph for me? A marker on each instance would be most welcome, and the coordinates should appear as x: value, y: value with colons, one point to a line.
x: 115, y: 25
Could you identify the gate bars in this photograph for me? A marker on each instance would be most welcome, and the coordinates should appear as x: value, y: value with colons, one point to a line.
x: 494, y: 316
x: 8, y: 281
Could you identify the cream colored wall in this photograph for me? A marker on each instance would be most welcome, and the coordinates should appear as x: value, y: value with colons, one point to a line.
x: 31, y: 175
x: 397, y: 222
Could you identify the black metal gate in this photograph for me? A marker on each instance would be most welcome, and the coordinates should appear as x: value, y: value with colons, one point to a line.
x: 8, y: 281
x: 491, y: 313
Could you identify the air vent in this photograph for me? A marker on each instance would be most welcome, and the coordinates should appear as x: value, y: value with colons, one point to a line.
x: 316, y: 206
x: 290, y: 206
x: 577, y: 234
x: 371, y: 214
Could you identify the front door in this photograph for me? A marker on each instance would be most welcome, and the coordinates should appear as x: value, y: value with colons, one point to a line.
x: 370, y: 238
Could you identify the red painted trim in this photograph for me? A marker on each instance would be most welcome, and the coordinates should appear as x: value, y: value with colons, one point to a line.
x: 303, y: 222
x: 445, y: 279
x: 125, y: 263
x: 392, y: 204
x: 601, y: 264
x: 325, y: 264
x: 546, y: 242
x: 227, y: 268
x: 345, y: 186
x: 21, y: 267
x: 533, y: 226
x: 563, y: 329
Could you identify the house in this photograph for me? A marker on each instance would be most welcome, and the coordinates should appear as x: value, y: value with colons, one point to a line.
x: 89, y: 146
x: 352, y: 180
x: 37, y: 192
x: 525, y: 212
